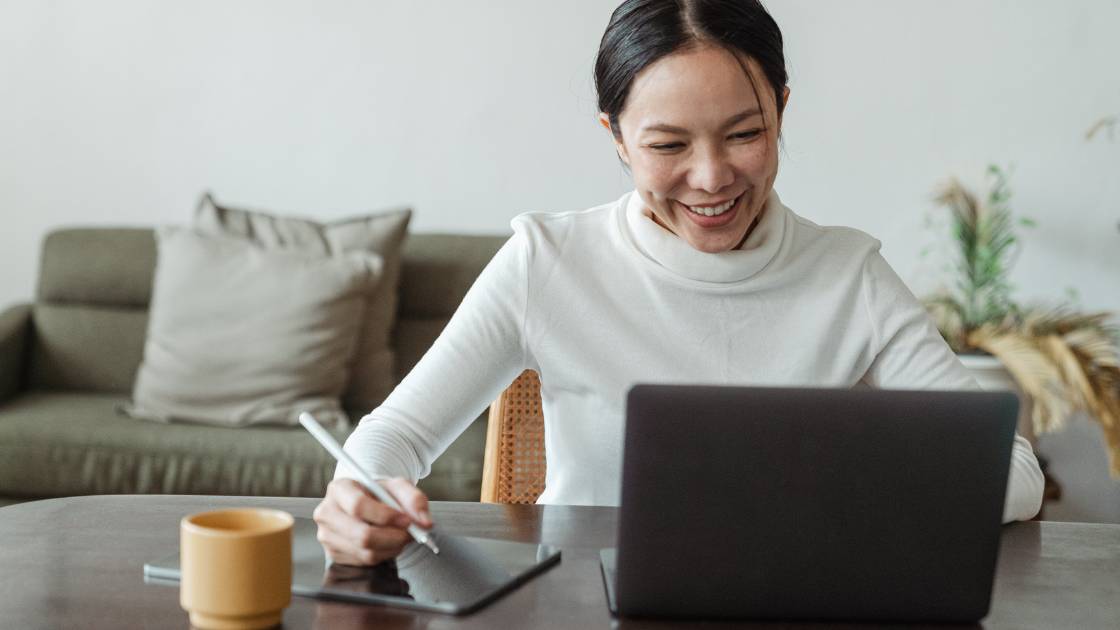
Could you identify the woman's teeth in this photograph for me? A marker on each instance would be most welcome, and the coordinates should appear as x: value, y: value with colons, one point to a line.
x: 713, y: 210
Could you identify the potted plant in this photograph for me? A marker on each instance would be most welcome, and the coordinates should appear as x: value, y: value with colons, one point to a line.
x: 1061, y: 360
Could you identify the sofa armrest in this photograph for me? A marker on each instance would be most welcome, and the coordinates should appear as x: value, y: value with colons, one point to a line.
x: 15, y: 337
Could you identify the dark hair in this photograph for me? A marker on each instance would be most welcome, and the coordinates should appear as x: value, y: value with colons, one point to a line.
x: 643, y: 31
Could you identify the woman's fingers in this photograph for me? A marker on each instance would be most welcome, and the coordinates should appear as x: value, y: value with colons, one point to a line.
x: 411, y: 499
x: 356, y: 501
x: 352, y: 541
x: 372, y: 545
x: 356, y: 528
x: 367, y: 536
x: 342, y: 549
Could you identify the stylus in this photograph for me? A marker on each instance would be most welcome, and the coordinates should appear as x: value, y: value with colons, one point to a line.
x: 419, y: 534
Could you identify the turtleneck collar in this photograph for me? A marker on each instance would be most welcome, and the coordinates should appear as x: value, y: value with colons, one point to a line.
x: 675, y: 255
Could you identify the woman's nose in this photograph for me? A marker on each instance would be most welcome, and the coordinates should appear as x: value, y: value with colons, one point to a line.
x: 710, y: 172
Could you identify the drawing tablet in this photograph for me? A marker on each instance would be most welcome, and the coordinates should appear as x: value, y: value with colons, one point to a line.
x: 467, y: 574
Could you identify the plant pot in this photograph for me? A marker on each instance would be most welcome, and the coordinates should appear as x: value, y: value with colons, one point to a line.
x: 992, y: 376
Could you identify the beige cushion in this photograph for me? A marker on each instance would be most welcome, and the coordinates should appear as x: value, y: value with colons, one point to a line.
x: 241, y: 335
x: 373, y: 371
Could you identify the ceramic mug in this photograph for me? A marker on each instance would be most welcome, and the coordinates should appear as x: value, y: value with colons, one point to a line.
x: 236, y: 568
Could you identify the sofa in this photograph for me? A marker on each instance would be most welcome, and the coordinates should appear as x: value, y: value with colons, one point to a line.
x: 68, y: 361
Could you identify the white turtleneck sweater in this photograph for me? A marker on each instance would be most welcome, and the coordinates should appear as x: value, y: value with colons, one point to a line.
x: 600, y: 299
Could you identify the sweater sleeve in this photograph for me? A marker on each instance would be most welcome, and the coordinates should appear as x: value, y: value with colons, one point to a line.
x: 911, y: 354
x: 478, y: 354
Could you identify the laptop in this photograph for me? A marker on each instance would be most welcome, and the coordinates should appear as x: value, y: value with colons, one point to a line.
x: 810, y: 504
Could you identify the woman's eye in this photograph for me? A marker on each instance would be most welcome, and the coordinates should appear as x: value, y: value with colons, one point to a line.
x: 746, y: 135
x: 667, y: 146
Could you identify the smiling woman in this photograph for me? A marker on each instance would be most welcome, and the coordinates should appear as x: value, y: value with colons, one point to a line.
x: 679, y: 91
x: 700, y: 275
x: 706, y: 174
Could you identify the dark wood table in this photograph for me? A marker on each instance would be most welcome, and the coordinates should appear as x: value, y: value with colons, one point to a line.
x: 77, y: 563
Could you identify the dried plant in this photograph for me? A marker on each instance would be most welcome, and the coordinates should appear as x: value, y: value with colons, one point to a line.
x: 985, y: 238
x: 1063, y: 361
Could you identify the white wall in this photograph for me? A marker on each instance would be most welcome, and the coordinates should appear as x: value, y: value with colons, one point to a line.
x: 122, y: 112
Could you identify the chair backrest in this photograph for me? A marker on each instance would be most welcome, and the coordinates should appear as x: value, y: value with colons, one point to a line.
x: 514, y: 462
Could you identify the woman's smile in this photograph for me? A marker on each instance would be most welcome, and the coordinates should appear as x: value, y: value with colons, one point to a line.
x: 712, y: 215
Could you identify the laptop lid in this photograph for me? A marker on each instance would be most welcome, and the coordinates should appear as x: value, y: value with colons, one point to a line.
x: 784, y: 503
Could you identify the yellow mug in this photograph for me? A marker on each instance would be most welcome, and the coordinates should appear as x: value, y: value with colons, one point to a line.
x: 236, y: 568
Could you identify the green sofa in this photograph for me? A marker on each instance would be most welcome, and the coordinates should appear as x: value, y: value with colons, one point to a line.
x: 68, y: 361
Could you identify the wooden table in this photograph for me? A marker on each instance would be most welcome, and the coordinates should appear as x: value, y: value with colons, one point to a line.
x: 77, y: 563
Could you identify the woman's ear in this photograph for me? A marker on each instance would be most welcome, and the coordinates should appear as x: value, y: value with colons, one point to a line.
x: 785, y: 102
x: 605, y: 121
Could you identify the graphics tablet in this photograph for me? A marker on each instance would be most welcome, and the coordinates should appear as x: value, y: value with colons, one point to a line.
x: 467, y: 574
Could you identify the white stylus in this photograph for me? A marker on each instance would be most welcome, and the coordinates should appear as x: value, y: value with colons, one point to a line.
x: 420, y: 535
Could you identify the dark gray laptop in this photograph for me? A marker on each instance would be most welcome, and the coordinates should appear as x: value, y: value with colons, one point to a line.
x: 810, y: 504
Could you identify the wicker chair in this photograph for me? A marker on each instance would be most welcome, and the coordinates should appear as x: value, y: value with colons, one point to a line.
x: 514, y: 464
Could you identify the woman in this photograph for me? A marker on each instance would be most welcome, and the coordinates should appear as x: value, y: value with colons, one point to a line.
x: 700, y: 275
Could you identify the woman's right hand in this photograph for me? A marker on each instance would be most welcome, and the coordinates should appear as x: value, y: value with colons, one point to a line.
x: 355, y: 528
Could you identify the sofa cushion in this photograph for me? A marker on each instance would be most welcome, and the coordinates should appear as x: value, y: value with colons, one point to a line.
x: 15, y: 329
x: 440, y: 268
x: 414, y: 336
x: 62, y: 444
x: 102, y: 266
x: 373, y: 369
x: 241, y: 335
x: 438, y: 271
x: 91, y: 308
x: 86, y: 347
